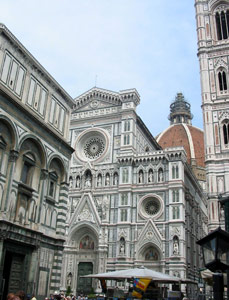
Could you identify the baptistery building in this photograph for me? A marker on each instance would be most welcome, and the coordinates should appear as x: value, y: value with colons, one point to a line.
x: 34, y: 157
x: 131, y: 203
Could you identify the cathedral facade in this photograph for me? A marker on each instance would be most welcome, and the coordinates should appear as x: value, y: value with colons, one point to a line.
x: 131, y: 203
x: 34, y: 157
x: 212, y: 17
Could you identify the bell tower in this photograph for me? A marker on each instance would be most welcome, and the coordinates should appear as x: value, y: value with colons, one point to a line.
x: 212, y: 19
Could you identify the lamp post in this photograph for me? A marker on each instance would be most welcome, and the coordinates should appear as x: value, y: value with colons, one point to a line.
x: 215, y: 248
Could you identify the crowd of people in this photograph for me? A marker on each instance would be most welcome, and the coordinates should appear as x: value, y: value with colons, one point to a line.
x: 20, y: 295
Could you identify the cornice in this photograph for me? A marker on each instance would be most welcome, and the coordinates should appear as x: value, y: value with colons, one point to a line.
x: 115, y: 98
x: 4, y: 30
x: 224, y: 48
x: 169, y: 154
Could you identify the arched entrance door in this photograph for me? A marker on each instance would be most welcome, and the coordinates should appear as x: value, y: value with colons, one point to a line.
x: 84, y: 285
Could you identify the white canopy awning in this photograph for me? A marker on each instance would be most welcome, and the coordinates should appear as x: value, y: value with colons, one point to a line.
x: 135, y: 273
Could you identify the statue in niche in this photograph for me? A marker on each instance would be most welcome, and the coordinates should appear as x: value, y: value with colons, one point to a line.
x: 78, y: 182
x: 107, y: 182
x: 122, y: 246
x: 70, y: 182
x: 150, y: 178
x: 69, y: 279
x: 175, y: 245
x: 115, y: 179
x: 88, y: 181
x: 140, y: 177
x: 99, y: 180
x: 160, y: 175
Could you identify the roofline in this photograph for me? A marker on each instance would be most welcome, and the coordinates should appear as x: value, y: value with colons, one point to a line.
x: 149, y: 134
x: 9, y: 34
x: 163, y: 132
x: 96, y: 88
x: 102, y: 90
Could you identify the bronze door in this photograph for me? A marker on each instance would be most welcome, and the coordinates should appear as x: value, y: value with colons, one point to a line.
x: 84, y: 285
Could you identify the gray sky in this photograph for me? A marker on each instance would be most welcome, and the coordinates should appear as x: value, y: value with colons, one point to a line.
x: 149, y: 45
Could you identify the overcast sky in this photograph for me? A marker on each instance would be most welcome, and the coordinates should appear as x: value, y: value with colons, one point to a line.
x: 149, y: 45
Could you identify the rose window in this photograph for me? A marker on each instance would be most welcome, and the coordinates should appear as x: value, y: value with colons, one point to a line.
x: 94, y: 148
x: 152, y: 207
x: 91, y: 145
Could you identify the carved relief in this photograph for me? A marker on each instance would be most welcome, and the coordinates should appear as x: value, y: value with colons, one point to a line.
x: 123, y: 232
x: 175, y: 231
x: 85, y: 215
x: 223, y: 115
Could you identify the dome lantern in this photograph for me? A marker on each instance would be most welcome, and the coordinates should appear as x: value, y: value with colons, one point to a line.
x: 180, y: 111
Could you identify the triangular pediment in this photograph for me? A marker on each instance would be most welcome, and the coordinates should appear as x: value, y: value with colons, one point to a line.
x: 150, y: 235
x: 97, y: 98
x: 85, y: 212
x: 96, y: 104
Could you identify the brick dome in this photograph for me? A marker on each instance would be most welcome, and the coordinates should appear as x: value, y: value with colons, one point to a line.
x: 188, y: 136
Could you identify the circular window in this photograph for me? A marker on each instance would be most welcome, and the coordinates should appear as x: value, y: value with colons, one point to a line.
x: 94, y: 148
x: 150, y: 206
x: 91, y: 145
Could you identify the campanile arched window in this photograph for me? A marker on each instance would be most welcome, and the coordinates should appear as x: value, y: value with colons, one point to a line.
x: 226, y: 133
x: 222, y: 24
x: 222, y: 78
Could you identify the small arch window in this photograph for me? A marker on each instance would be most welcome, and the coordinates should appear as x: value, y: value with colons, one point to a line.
x: 52, y: 184
x: 175, y: 172
x: 124, y: 199
x: 226, y: 133
x: 125, y: 175
x: 27, y: 169
x: 176, y: 196
x: 126, y: 139
x: 127, y: 125
x: 222, y: 24
x: 222, y: 79
x: 176, y: 212
x: 123, y: 215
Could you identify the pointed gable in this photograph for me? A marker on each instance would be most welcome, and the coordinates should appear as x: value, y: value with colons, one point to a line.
x: 150, y: 235
x: 85, y: 212
x: 97, y: 98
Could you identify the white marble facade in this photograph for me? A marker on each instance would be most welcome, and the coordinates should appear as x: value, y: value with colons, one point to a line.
x: 127, y: 207
x: 213, y: 40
